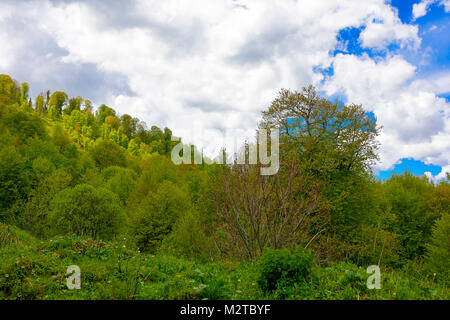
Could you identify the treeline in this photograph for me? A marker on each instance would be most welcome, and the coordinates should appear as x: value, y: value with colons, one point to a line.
x: 65, y: 169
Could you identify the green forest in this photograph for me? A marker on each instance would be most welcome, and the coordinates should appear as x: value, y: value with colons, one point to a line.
x: 86, y: 186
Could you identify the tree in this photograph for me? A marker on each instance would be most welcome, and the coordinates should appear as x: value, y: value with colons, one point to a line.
x: 120, y: 180
x: 60, y: 137
x: 25, y: 125
x: 15, y: 180
x: 74, y: 104
x: 47, y: 99
x: 437, y: 201
x: 87, y: 211
x: 278, y: 211
x: 157, y: 214
x: 438, y: 250
x: 102, y: 112
x: 106, y: 153
x: 40, y: 104
x: 57, y: 101
x: 167, y: 141
x: 88, y: 105
x: 406, y: 194
x: 24, y: 91
x: 34, y: 215
x: 129, y: 125
x: 329, y: 137
x: 8, y: 90
x: 112, y: 122
x: 334, y: 145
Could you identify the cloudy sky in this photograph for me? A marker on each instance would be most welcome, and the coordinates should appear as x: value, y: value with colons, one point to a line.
x: 204, y: 68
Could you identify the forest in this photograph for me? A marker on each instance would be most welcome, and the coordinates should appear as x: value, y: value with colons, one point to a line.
x: 86, y: 186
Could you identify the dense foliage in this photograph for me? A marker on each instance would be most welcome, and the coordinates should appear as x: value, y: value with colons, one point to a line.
x: 99, y: 190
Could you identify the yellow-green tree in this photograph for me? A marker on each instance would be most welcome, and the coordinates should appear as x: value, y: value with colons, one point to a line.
x: 57, y: 101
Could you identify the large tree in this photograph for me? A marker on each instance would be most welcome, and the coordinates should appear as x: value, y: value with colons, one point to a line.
x: 87, y: 211
x: 57, y: 101
x: 279, y: 211
x: 328, y: 136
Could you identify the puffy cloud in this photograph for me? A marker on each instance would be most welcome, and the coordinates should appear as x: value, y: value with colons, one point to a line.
x: 8, y: 46
x: 383, y: 27
x: 416, y: 122
x: 420, y: 9
x: 443, y: 173
x: 446, y: 4
x: 211, y: 67
x: 438, y: 83
x: 218, y: 64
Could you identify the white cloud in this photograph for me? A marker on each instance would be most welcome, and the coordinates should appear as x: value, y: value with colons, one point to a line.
x: 220, y: 63
x: 7, y: 51
x: 216, y: 65
x: 446, y: 4
x: 8, y: 45
x: 415, y: 121
x: 420, y: 9
x: 383, y: 27
x: 443, y: 173
x: 438, y: 83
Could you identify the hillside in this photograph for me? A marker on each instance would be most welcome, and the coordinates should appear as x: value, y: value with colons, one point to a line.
x: 99, y: 190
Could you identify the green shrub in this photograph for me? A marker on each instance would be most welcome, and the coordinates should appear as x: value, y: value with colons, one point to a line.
x: 438, y: 250
x: 157, y: 215
x: 15, y: 181
x: 406, y: 194
x: 87, y: 211
x: 10, y: 235
x: 188, y: 239
x: 106, y: 153
x: 120, y: 180
x: 283, y: 268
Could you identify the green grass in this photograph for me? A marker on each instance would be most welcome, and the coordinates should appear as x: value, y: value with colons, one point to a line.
x: 35, y: 269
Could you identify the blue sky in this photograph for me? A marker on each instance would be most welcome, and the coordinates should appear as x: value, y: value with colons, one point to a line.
x: 414, y: 166
x: 206, y: 69
x: 438, y: 39
x: 434, y: 31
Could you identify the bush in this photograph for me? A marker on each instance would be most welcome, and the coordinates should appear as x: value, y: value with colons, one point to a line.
x: 120, y: 180
x: 374, y: 245
x: 87, y: 211
x: 438, y: 250
x: 284, y: 268
x: 188, y: 239
x: 15, y: 179
x: 407, y: 197
x: 157, y: 216
x: 107, y: 153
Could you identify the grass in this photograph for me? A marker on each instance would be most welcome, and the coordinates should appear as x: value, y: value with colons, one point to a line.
x: 35, y: 269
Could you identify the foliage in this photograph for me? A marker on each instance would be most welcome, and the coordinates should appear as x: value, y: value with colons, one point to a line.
x: 157, y: 215
x: 14, y: 178
x: 328, y: 136
x: 406, y: 195
x: 283, y: 268
x: 105, y: 185
x: 106, y: 153
x: 58, y: 100
x: 120, y: 180
x: 438, y: 250
x: 85, y: 210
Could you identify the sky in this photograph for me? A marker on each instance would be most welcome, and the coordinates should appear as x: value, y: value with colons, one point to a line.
x: 206, y: 69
